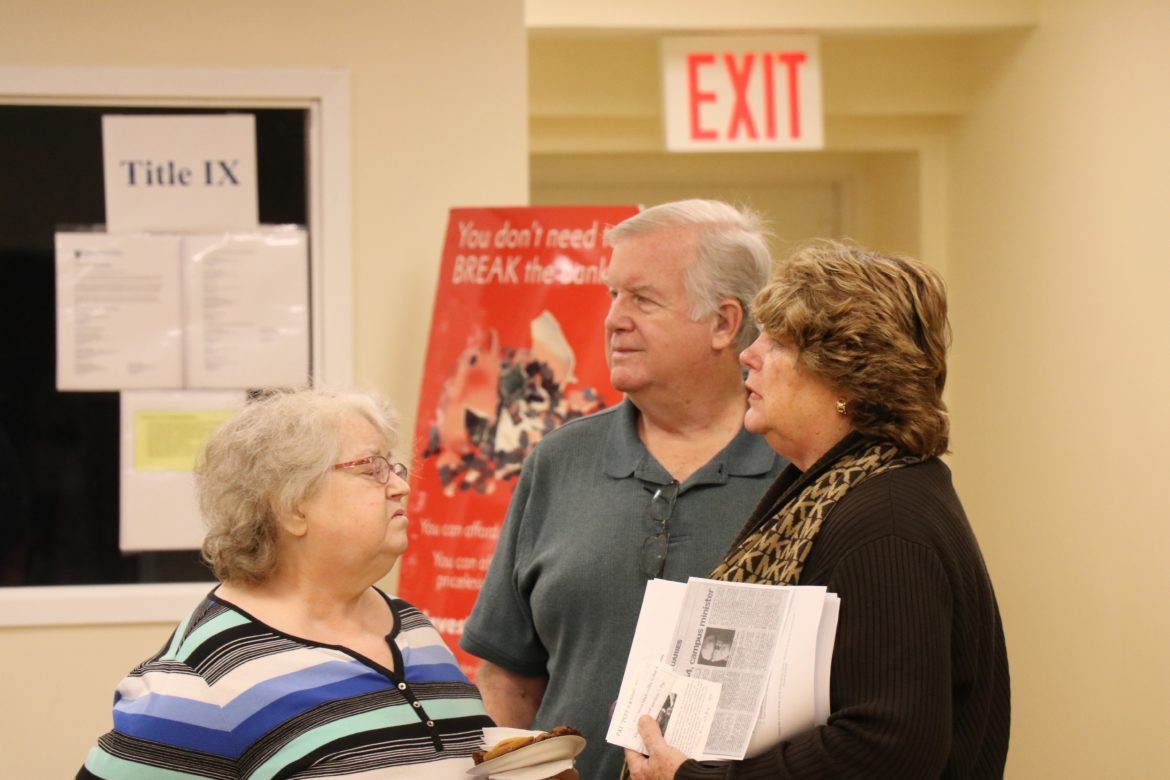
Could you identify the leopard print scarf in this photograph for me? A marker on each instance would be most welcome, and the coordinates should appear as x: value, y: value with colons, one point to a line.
x: 776, y: 551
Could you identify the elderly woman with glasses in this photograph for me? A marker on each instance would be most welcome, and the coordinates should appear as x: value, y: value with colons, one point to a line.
x: 296, y: 665
x: 846, y: 381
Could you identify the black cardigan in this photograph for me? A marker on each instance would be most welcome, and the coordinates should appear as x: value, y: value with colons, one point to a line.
x: 920, y: 682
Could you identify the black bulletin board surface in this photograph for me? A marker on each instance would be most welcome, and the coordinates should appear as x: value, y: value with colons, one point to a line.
x: 59, y: 452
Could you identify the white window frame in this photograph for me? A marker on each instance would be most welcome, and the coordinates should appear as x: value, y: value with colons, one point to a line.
x: 324, y: 95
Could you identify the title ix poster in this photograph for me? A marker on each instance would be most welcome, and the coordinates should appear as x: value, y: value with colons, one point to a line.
x: 516, y: 348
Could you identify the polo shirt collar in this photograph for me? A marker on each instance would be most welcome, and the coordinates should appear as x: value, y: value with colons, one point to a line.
x: 625, y: 456
x: 624, y: 451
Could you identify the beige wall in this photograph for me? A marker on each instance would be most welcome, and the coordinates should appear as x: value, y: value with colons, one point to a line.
x: 438, y: 119
x: 1061, y: 179
x: 596, y: 136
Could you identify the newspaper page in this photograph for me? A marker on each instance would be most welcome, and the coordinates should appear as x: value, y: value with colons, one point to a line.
x: 661, y: 604
x: 790, y: 702
x: 727, y: 633
x: 744, y: 665
x: 682, y: 706
x: 651, y: 687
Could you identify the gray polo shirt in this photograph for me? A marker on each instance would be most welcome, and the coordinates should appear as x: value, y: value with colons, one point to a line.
x: 565, y: 585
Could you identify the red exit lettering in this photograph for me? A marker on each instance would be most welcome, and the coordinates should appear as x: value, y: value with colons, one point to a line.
x: 697, y: 96
x: 739, y: 70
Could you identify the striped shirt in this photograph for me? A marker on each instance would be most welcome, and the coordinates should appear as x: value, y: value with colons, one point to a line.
x: 231, y: 697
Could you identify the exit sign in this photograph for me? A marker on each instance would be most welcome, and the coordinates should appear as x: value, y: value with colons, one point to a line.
x: 742, y: 93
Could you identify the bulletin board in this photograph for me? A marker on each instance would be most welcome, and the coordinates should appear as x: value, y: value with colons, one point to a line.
x: 59, y: 451
x: 60, y: 560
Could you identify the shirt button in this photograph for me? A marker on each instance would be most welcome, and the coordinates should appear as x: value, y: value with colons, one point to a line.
x: 402, y: 686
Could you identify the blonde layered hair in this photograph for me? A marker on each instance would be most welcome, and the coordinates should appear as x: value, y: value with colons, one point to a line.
x: 264, y: 462
x: 873, y: 327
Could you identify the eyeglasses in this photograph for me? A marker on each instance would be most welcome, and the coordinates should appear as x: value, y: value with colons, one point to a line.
x: 654, y: 547
x: 380, y: 468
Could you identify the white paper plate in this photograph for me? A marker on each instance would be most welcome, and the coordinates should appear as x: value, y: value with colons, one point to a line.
x: 551, y: 749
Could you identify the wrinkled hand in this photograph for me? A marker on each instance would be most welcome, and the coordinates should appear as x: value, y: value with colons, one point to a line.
x: 663, y: 761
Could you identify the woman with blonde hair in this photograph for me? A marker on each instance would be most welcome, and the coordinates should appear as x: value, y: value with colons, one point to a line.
x: 846, y: 381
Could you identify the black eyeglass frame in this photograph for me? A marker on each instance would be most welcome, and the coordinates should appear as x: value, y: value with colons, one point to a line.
x: 656, y: 546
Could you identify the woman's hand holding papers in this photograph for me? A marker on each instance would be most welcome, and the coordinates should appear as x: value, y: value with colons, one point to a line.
x: 663, y: 761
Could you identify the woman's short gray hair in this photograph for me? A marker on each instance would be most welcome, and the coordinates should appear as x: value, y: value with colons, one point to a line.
x: 732, y: 260
x: 266, y: 460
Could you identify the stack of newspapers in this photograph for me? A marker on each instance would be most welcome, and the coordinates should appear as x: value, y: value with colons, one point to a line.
x: 727, y: 669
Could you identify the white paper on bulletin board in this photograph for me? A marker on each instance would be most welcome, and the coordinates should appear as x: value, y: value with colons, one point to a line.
x: 118, y: 317
x: 163, y: 432
x: 247, y: 308
x: 182, y: 172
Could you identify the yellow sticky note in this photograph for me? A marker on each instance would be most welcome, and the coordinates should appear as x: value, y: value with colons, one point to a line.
x: 171, y: 440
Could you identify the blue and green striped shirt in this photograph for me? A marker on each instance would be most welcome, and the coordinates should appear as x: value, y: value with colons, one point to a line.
x: 231, y: 697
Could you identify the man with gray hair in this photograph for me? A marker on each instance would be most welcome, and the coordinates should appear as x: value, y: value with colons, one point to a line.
x: 654, y: 487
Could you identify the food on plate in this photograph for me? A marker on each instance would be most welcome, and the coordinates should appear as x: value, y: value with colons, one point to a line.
x: 515, y: 743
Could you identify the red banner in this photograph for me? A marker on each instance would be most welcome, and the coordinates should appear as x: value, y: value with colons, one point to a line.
x: 516, y: 349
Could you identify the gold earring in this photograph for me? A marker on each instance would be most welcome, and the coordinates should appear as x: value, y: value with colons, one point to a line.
x: 841, y: 410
